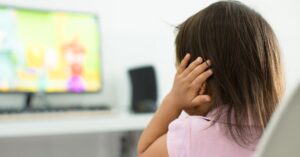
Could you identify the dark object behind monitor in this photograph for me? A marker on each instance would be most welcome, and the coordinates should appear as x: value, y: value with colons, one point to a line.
x: 143, y: 89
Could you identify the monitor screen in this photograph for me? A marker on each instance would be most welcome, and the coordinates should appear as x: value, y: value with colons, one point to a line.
x: 49, y: 51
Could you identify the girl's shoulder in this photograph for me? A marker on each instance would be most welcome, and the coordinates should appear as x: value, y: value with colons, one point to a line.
x: 197, y: 136
x: 186, y: 121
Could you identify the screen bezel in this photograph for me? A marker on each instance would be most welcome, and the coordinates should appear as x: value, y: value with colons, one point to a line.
x: 94, y: 15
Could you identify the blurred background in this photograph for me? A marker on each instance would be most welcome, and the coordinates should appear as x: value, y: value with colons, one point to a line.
x: 107, y: 45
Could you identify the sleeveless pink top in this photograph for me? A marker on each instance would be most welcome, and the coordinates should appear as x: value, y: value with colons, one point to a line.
x: 192, y: 136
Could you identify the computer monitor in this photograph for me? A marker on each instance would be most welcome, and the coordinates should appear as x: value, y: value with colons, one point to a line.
x: 49, y: 51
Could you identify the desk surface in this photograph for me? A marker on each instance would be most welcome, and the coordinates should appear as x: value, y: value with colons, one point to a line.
x: 70, y: 123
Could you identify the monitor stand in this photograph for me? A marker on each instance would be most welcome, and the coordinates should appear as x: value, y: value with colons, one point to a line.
x: 28, y: 99
x: 28, y: 106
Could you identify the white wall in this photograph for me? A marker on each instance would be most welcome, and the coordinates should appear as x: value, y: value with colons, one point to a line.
x: 136, y: 32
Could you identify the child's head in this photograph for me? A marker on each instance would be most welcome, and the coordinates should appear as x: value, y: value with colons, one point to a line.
x: 245, y: 60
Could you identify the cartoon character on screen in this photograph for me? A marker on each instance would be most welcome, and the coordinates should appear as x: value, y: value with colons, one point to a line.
x: 74, y: 53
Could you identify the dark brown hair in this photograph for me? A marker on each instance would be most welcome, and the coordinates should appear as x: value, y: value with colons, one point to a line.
x: 246, y: 62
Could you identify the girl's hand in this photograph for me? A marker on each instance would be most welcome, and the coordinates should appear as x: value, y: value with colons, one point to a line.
x: 188, y: 84
x: 185, y: 94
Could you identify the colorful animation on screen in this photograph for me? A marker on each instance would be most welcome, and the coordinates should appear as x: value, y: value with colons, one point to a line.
x: 48, y: 51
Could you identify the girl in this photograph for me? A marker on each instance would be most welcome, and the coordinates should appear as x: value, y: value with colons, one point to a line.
x: 229, y: 81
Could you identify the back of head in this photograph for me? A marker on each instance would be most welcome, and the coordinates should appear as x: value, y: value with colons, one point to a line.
x: 245, y: 57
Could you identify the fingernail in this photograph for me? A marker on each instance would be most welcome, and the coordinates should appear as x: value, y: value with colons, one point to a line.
x: 210, y: 71
x: 207, y: 98
x: 199, y: 59
x: 208, y: 62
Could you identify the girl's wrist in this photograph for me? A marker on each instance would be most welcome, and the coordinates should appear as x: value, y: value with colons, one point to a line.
x: 171, y: 102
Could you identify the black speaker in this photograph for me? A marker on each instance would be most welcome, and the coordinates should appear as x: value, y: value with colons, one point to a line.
x: 143, y: 89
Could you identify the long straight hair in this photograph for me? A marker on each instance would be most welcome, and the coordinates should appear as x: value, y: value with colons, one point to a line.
x: 246, y: 62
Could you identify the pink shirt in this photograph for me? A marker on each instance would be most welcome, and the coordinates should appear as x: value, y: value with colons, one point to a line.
x: 192, y: 136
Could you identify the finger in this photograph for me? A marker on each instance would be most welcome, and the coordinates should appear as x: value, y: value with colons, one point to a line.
x: 202, y: 89
x: 192, y: 66
x: 200, y: 100
x: 198, y: 70
x: 184, y: 63
x: 198, y: 82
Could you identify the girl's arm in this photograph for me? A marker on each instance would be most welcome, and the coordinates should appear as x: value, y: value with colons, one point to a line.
x: 184, y: 94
